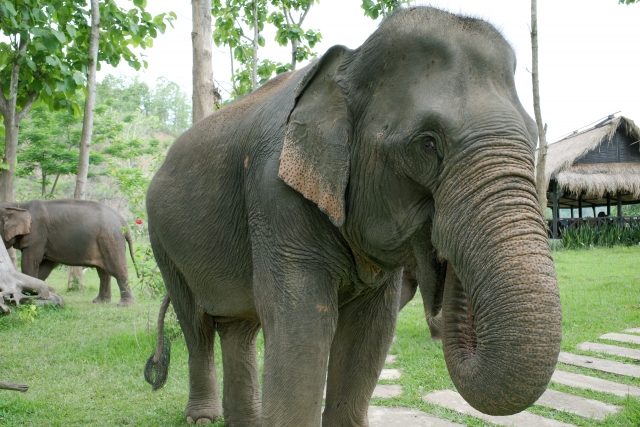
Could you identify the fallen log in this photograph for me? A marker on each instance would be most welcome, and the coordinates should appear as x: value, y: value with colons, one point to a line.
x: 13, y: 386
x: 16, y: 287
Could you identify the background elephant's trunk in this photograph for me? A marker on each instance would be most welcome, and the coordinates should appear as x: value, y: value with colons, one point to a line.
x: 501, y: 308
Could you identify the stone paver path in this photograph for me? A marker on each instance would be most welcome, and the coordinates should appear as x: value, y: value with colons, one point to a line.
x: 391, y: 359
x: 390, y: 374
x: 452, y: 400
x: 596, y: 384
x: 610, y: 349
x: 634, y: 339
x: 380, y: 416
x: 600, y: 364
x: 387, y: 391
x: 576, y: 404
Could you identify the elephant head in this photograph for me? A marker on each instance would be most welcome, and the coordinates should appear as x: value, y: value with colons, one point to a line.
x: 417, y: 147
x: 14, y: 223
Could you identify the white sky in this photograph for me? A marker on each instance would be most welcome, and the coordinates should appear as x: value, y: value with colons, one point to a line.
x: 589, y: 53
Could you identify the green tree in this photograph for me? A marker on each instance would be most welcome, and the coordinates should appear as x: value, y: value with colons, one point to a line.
x: 627, y: 1
x: 376, y: 8
x: 289, y: 29
x: 49, y: 147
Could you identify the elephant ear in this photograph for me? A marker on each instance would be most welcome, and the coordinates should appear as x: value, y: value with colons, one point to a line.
x: 315, y: 156
x: 16, y: 223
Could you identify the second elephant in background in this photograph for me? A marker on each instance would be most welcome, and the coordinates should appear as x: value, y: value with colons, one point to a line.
x: 71, y: 232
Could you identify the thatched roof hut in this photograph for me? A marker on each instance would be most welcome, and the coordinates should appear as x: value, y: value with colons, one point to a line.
x: 592, y: 167
x: 599, y: 160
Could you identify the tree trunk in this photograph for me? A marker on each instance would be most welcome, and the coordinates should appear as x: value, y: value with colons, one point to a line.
x: 256, y: 39
x: 76, y: 280
x: 202, y: 38
x: 89, y: 103
x: 541, y: 181
x: 12, y: 119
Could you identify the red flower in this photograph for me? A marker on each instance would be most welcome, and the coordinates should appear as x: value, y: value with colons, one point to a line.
x: 139, y: 221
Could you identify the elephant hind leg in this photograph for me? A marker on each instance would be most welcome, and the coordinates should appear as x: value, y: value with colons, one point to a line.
x: 46, y: 267
x: 241, y: 398
x: 127, y: 298
x: 104, y: 294
x: 199, y: 332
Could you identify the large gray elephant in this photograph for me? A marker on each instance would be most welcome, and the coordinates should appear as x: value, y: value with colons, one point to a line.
x: 294, y: 210
x: 70, y: 232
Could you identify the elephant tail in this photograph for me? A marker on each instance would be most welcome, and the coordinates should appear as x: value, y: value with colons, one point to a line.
x: 157, y: 367
x: 127, y: 237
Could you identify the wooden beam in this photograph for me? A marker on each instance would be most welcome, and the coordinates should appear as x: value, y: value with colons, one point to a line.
x: 580, y: 205
x: 608, y: 204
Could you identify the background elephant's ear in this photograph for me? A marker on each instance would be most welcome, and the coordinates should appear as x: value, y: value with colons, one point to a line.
x: 315, y: 156
x: 17, y: 223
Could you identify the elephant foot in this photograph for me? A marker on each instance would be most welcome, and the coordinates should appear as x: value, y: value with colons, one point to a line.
x: 101, y: 300
x: 126, y: 302
x: 200, y: 422
x: 203, y: 415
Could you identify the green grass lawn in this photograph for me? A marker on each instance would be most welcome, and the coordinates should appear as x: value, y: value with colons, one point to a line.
x: 84, y: 363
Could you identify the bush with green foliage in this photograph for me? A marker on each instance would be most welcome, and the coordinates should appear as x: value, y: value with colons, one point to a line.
x: 608, y: 235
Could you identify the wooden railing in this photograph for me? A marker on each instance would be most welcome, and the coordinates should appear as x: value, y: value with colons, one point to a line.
x: 597, y: 222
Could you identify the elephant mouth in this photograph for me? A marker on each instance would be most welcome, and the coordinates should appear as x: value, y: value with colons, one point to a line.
x: 459, y: 322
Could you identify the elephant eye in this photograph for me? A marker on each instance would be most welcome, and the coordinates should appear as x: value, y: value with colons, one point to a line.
x: 429, y: 145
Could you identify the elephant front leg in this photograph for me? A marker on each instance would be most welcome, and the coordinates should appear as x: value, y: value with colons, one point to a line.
x: 298, y: 311
x: 363, y: 337
x: 104, y: 294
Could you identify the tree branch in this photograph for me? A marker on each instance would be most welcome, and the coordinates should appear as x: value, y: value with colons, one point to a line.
x: 32, y: 97
x: 304, y: 15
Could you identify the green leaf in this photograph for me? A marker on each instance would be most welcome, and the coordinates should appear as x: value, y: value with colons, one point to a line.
x: 78, y: 77
x: 4, y: 166
x: 140, y: 3
x: 59, y: 35
x: 72, y: 31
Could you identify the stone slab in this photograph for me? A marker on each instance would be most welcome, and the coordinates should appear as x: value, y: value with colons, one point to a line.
x: 610, y: 349
x: 384, y: 391
x: 390, y: 374
x: 578, y: 405
x: 382, y: 416
x: 596, y: 384
x: 634, y: 339
x: 391, y: 359
x: 452, y: 400
x: 633, y: 330
x: 600, y: 364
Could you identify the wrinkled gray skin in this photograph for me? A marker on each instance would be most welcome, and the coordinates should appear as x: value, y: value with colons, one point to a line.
x: 294, y: 210
x: 70, y: 232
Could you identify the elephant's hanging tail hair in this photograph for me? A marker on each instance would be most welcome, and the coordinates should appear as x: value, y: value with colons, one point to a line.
x: 157, y: 367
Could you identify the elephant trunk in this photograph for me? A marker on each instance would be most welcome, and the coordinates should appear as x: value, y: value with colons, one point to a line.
x: 501, y: 307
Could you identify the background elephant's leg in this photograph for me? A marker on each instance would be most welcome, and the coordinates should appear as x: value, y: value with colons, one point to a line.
x: 126, y: 294
x: 104, y: 294
x: 435, y: 327
x: 241, y: 391
x: 45, y: 269
x: 363, y: 337
x: 30, y: 261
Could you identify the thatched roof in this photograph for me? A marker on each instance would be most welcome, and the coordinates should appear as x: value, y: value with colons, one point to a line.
x: 598, y: 179
x: 595, y: 179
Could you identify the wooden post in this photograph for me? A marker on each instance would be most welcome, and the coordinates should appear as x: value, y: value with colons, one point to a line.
x: 571, y: 211
x: 554, y: 210
x: 608, y: 204
x: 580, y: 206
x: 620, y: 207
